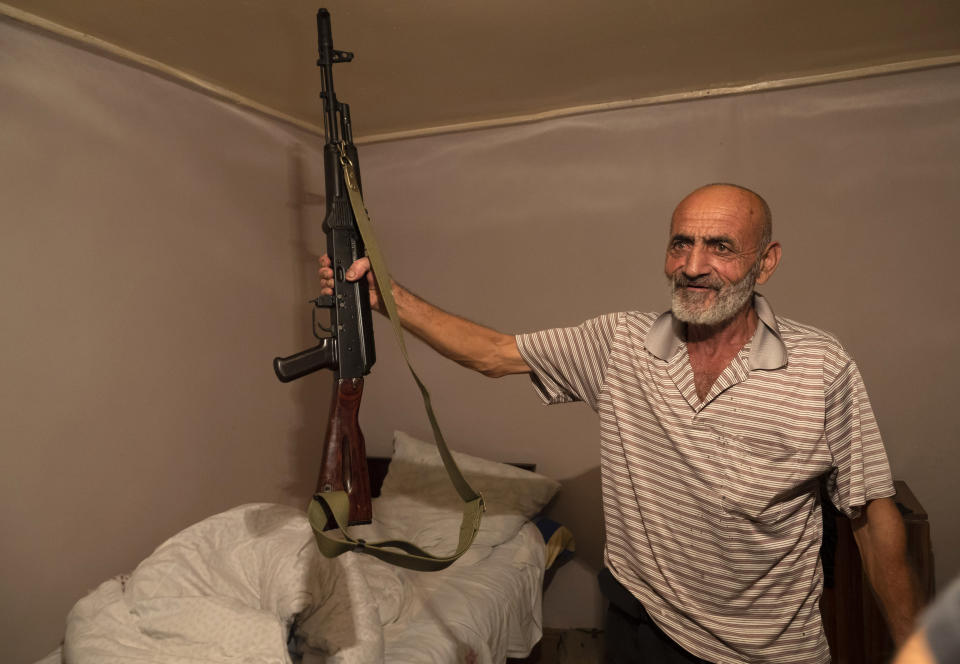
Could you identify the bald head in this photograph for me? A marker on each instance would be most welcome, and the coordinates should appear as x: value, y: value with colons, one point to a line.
x: 720, y: 248
x: 735, y: 200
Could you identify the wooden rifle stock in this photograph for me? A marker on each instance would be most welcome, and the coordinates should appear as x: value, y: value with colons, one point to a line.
x: 343, y: 466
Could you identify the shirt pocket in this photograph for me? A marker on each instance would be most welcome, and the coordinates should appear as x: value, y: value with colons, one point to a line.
x: 767, y: 476
x: 756, y: 475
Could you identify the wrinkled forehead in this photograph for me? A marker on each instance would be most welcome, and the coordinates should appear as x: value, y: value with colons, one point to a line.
x: 719, y: 211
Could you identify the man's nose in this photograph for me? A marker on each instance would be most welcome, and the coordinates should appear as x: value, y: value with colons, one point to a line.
x: 696, y: 264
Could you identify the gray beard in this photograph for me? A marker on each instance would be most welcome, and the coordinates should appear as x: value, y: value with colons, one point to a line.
x: 730, y: 299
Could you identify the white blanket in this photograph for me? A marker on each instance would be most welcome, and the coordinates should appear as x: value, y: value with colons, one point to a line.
x: 229, y: 588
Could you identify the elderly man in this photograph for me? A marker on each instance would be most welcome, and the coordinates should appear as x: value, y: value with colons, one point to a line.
x: 719, y: 423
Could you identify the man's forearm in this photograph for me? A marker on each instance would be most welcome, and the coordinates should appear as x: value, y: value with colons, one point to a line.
x: 474, y: 346
x: 881, y: 537
x: 467, y: 343
x: 896, y: 590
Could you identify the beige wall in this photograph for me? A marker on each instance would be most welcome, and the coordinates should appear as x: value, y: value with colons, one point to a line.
x: 155, y: 256
x: 153, y: 261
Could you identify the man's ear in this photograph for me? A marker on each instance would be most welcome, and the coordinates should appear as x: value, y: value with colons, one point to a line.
x: 771, y: 259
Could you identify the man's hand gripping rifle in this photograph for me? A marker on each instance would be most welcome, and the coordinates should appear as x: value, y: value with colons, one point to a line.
x: 349, y: 350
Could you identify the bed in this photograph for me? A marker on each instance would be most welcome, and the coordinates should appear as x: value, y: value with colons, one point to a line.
x: 248, y: 585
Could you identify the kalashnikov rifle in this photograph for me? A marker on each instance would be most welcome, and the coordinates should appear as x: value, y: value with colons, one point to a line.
x: 343, y: 487
x: 349, y: 350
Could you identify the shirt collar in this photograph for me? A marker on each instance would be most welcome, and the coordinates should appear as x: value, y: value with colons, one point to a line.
x: 767, y: 350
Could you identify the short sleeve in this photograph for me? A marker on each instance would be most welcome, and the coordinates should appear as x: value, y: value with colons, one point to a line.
x: 861, y: 472
x: 569, y: 364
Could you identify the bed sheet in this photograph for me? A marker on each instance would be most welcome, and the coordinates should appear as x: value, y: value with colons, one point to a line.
x: 477, y: 613
x: 236, y: 584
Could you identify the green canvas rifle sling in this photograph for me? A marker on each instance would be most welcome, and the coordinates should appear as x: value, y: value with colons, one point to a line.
x: 335, y: 505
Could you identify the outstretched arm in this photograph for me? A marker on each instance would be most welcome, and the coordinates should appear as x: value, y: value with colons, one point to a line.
x: 881, y: 538
x: 474, y: 346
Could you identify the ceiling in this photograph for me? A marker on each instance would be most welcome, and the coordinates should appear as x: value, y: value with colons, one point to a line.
x: 427, y: 64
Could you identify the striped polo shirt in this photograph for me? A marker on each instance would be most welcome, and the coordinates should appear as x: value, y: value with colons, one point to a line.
x: 711, y: 507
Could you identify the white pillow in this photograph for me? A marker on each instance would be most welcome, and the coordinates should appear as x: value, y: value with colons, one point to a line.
x: 418, y: 502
